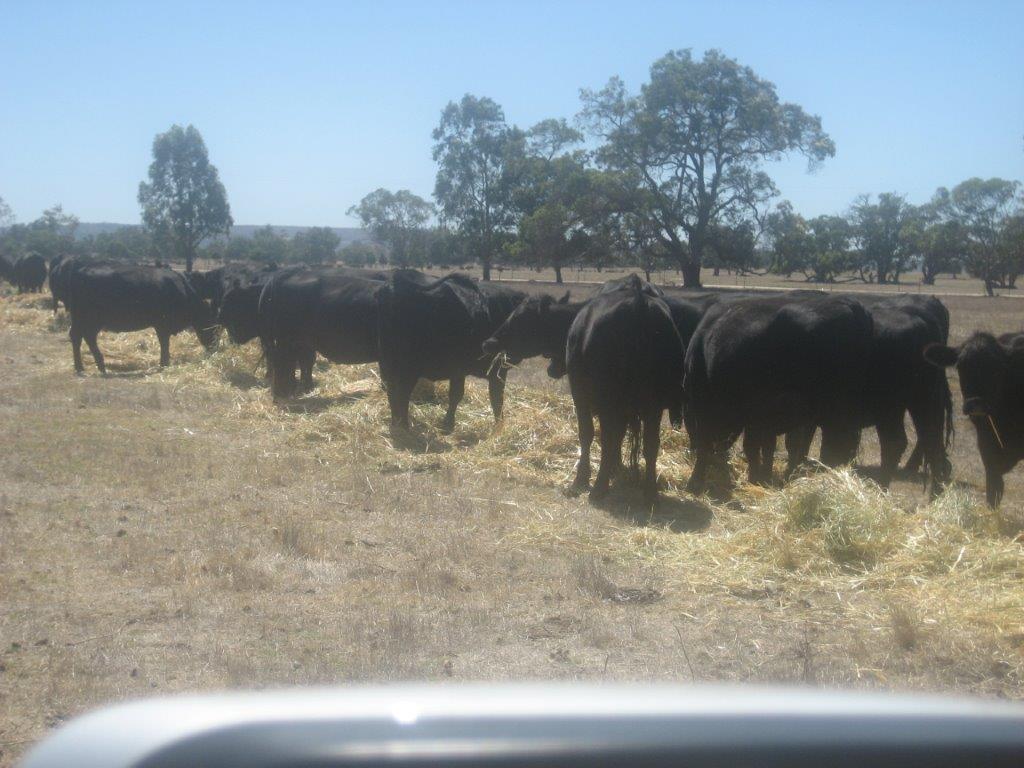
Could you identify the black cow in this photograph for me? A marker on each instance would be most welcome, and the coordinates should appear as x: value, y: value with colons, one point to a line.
x: 61, y: 270
x: 918, y: 385
x: 776, y: 365
x: 305, y: 311
x: 538, y: 327
x: 109, y: 297
x: 27, y: 273
x: 624, y: 359
x: 6, y: 269
x: 898, y: 381
x: 51, y: 268
x: 991, y: 374
x: 239, y: 312
x: 435, y: 329
x: 212, y: 284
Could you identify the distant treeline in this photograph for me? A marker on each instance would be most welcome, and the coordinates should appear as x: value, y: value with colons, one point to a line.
x: 669, y: 177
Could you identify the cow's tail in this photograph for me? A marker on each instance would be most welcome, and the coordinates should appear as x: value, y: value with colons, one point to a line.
x: 635, y: 438
x: 947, y: 408
x: 267, y: 323
x: 641, y: 337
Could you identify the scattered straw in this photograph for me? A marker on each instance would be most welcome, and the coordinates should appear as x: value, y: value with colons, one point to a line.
x: 831, y: 533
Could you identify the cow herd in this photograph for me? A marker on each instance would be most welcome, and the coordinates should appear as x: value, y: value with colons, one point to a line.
x: 26, y: 273
x: 726, y: 365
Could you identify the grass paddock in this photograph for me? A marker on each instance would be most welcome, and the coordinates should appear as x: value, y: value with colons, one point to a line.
x: 174, y: 530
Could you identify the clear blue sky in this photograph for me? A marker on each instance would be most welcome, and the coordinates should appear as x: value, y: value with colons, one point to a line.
x: 307, y: 106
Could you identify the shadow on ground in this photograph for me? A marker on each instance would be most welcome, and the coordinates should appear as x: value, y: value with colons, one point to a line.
x: 678, y: 514
x: 320, y: 403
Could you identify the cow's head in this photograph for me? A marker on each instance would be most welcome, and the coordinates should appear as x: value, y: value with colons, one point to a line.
x: 202, y: 283
x: 989, y: 371
x: 204, y: 322
x: 238, y: 313
x: 530, y: 331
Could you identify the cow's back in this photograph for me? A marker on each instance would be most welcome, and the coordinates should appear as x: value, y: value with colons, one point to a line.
x: 328, y: 310
x: 433, y: 328
x: 131, y: 297
x: 624, y: 350
x: 780, y: 361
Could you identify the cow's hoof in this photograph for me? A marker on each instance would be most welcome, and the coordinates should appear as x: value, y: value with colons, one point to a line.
x: 577, y: 488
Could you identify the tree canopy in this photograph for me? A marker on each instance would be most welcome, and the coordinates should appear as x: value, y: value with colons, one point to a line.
x: 397, y: 220
x: 184, y: 201
x: 6, y: 214
x: 315, y: 245
x: 695, y: 138
x: 476, y: 150
x: 983, y: 207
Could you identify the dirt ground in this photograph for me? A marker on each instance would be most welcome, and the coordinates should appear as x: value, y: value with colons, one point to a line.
x: 166, y: 531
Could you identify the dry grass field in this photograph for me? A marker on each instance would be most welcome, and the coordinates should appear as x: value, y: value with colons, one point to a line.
x: 165, y: 531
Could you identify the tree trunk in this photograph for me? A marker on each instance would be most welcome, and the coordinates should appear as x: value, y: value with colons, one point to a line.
x: 691, y: 274
x: 647, y: 274
x: 988, y: 287
x: 485, y: 264
x: 558, y: 274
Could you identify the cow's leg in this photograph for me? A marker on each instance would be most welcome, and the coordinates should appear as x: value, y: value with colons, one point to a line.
x: 268, y: 366
x: 698, y: 478
x: 916, y: 457
x: 929, y: 423
x: 993, y: 486
x: 306, y: 359
x: 652, y: 444
x: 759, y: 450
x: 752, y: 453
x: 76, y: 348
x: 496, y: 393
x: 613, y: 432
x: 283, y: 364
x: 456, y: 390
x: 768, y: 458
x: 892, y: 439
x: 94, y: 347
x: 798, y: 445
x: 165, y: 347
x: 585, y: 427
x: 399, y: 393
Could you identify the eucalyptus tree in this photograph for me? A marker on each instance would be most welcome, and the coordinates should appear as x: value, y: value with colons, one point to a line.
x: 477, y: 154
x: 983, y: 208
x: 696, y: 138
x: 885, y: 251
x: 397, y: 220
x: 184, y: 201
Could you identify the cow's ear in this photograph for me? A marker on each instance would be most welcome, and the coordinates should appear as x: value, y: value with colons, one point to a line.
x: 564, y: 299
x: 940, y: 355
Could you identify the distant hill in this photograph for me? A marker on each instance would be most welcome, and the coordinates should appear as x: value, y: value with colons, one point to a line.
x: 347, y: 234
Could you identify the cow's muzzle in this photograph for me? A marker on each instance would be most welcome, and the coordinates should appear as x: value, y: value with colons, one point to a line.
x: 975, y: 407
